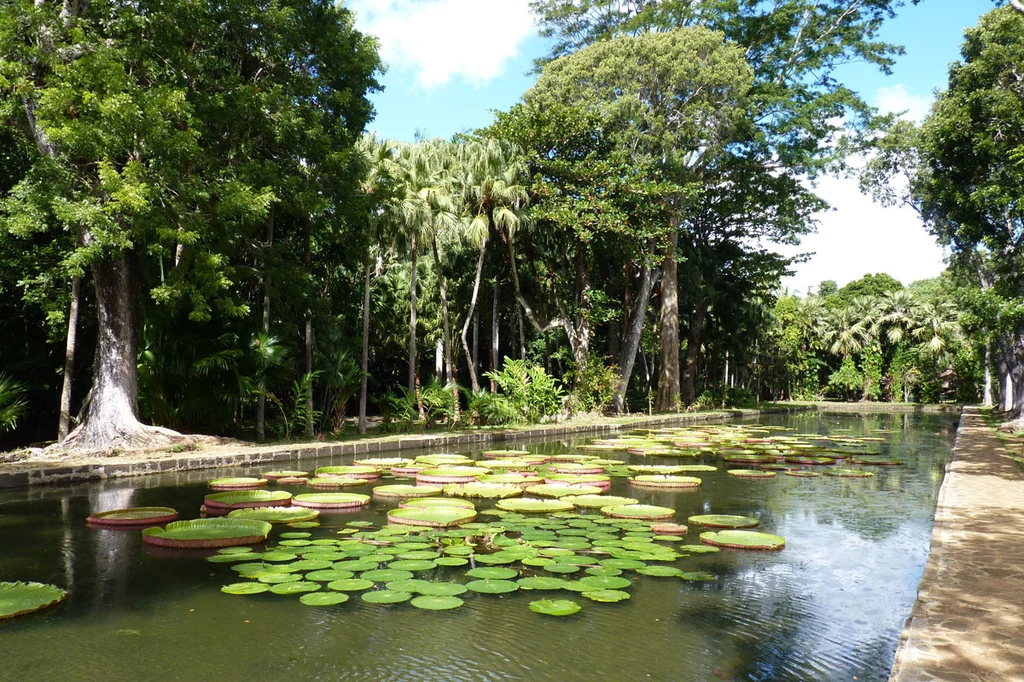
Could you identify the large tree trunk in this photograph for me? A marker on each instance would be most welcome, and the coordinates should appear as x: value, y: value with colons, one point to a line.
x: 688, y: 392
x: 668, y: 379
x: 365, y: 364
x: 495, y: 330
x: 579, y: 340
x: 987, y: 398
x: 110, y: 419
x: 69, y: 360
x: 261, y: 400
x: 470, y: 317
x: 633, y: 332
x: 447, y: 328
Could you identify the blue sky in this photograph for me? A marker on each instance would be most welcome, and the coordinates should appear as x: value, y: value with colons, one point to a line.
x: 451, y: 62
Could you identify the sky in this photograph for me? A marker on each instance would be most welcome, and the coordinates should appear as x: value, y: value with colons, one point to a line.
x: 451, y: 63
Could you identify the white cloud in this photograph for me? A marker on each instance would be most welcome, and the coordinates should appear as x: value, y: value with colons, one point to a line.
x: 896, y: 99
x: 859, y: 237
x: 444, y: 39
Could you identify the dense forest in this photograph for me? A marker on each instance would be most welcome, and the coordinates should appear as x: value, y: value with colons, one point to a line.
x: 198, y: 235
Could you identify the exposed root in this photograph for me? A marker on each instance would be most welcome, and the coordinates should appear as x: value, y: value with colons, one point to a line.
x: 114, y: 440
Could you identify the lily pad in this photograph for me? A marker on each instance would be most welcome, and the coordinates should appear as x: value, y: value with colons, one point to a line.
x: 492, y: 573
x: 723, y: 521
x: 133, y: 517
x: 664, y: 481
x: 598, y: 501
x: 336, y: 482
x: 353, y: 471
x: 245, y: 588
x: 555, y: 607
x: 323, y: 598
x: 554, y: 490
x: 406, y: 491
x: 238, y: 483
x: 532, y: 505
x: 434, y: 502
x: 751, y: 473
x: 329, y: 575
x: 277, y: 475
x: 453, y: 474
x: 541, y: 583
x: 605, y: 582
x: 638, y: 511
x: 660, y: 571
x: 350, y: 585
x: 606, y: 596
x: 18, y: 598
x: 247, y: 498
x: 385, y: 575
x: 806, y: 474
x: 492, y: 586
x: 275, y: 514
x: 849, y: 473
x: 442, y: 603
x: 207, y: 533
x: 436, y: 517
x: 385, y: 597
x: 331, y: 500
x: 298, y: 587
x: 498, y: 454
x: 489, y: 491
x: 440, y: 589
x: 743, y: 539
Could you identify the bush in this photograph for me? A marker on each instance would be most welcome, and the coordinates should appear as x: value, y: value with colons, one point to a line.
x: 847, y: 382
x: 593, y: 386
x: 528, y: 395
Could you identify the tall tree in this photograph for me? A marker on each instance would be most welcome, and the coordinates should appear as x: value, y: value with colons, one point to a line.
x: 145, y: 136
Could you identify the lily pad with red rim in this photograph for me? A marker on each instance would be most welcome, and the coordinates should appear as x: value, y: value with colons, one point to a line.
x: 433, y: 517
x: 238, y: 483
x: 406, y: 491
x: 532, y: 505
x: 327, y: 501
x: 133, y: 517
x: 275, y: 514
x: 207, y: 533
x: 638, y: 511
x: 247, y: 498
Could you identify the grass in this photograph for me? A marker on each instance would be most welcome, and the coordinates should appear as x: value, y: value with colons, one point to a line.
x: 1013, y: 442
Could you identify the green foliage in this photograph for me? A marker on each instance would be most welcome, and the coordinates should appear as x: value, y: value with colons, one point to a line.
x: 12, y: 403
x: 531, y: 394
x: 846, y: 382
x: 593, y: 386
x: 872, y: 373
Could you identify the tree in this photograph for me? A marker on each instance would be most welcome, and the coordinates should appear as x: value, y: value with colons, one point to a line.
x: 674, y: 101
x: 151, y: 148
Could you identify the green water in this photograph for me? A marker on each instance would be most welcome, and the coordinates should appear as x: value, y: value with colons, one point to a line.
x: 828, y: 607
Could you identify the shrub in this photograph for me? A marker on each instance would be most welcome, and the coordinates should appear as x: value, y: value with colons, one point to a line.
x: 593, y: 386
x: 529, y: 395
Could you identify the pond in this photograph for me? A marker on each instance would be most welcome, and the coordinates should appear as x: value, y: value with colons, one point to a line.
x: 830, y: 606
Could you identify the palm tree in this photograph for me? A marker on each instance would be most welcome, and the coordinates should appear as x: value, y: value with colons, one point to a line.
x: 493, y: 176
x: 12, y: 405
x: 846, y: 330
x: 898, y: 311
x: 935, y: 324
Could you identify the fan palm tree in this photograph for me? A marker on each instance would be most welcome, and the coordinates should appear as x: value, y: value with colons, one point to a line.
x: 12, y: 405
x: 899, y: 309
x: 494, y: 191
x: 846, y: 331
x: 935, y: 324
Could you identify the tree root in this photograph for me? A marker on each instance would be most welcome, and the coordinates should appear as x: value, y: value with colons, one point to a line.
x: 110, y: 439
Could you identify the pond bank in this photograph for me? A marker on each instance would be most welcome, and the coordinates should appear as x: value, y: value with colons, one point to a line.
x: 92, y: 467
x: 968, y: 620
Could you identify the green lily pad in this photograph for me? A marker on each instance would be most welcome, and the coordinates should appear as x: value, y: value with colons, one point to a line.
x: 247, y: 498
x: 323, y: 598
x: 413, y: 564
x: 296, y: 587
x: 492, y: 573
x: 555, y: 607
x: 432, y: 502
x: 277, y: 578
x: 553, y: 490
x: 541, y: 583
x: 531, y: 505
x: 598, y: 501
x: 331, y: 500
x: 606, y: 596
x: 18, y: 598
x: 208, y: 533
x: 133, y: 517
x: 245, y: 588
x: 750, y: 473
x: 665, y: 481
x: 443, y: 603
x: 490, y: 491
x: 602, y: 582
x: 451, y: 561
x: 723, y: 521
x: 385, y: 575
x: 238, y: 483
x: 492, y: 586
x: 807, y: 474
x: 432, y: 589
x: 660, y: 571
x: 385, y: 597
x: 638, y: 511
x: 743, y: 539
x: 406, y: 491
x: 436, y: 517
x: 350, y: 585
x: 849, y: 473
x: 329, y: 575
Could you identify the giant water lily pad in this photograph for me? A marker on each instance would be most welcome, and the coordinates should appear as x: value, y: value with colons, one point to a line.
x: 438, y: 460
x: 489, y: 491
x: 443, y: 603
x: 665, y: 481
x: 555, y: 607
x: 878, y: 462
x: 723, y: 521
x: 743, y: 539
x: 751, y: 473
x: 598, y: 501
x: 434, y: 502
x: 238, y: 483
x: 352, y: 471
x: 133, y: 517
x: 499, y: 454
x: 406, y: 491
x: 18, y: 598
x: 245, y: 588
x: 638, y: 511
x: 247, y: 498
x: 849, y: 473
x: 207, y: 533
x: 532, y: 505
x: 435, y: 517
x: 492, y: 586
x: 275, y: 514
x: 384, y: 463
x: 281, y: 474
x: 556, y: 490
x: 331, y: 500
x: 323, y: 598
x: 336, y: 482
x: 452, y: 474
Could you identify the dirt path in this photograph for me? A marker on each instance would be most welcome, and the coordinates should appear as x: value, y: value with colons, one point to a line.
x: 968, y: 621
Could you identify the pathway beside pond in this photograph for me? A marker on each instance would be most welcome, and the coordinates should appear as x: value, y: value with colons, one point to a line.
x: 968, y: 621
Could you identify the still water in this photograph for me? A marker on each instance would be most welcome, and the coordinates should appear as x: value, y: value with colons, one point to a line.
x: 830, y: 606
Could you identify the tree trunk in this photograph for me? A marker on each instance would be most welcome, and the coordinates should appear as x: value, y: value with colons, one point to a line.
x: 635, y: 329
x: 414, y: 257
x: 494, y: 334
x: 447, y: 328
x: 581, y: 343
x: 470, y: 316
x: 476, y: 343
x: 522, y: 332
x: 697, y: 320
x: 69, y: 360
x: 668, y: 379
x: 365, y: 364
x: 309, y: 335
x: 110, y: 419
x: 261, y: 400
x: 987, y: 399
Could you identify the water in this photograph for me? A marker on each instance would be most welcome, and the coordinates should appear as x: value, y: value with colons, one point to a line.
x: 829, y: 607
